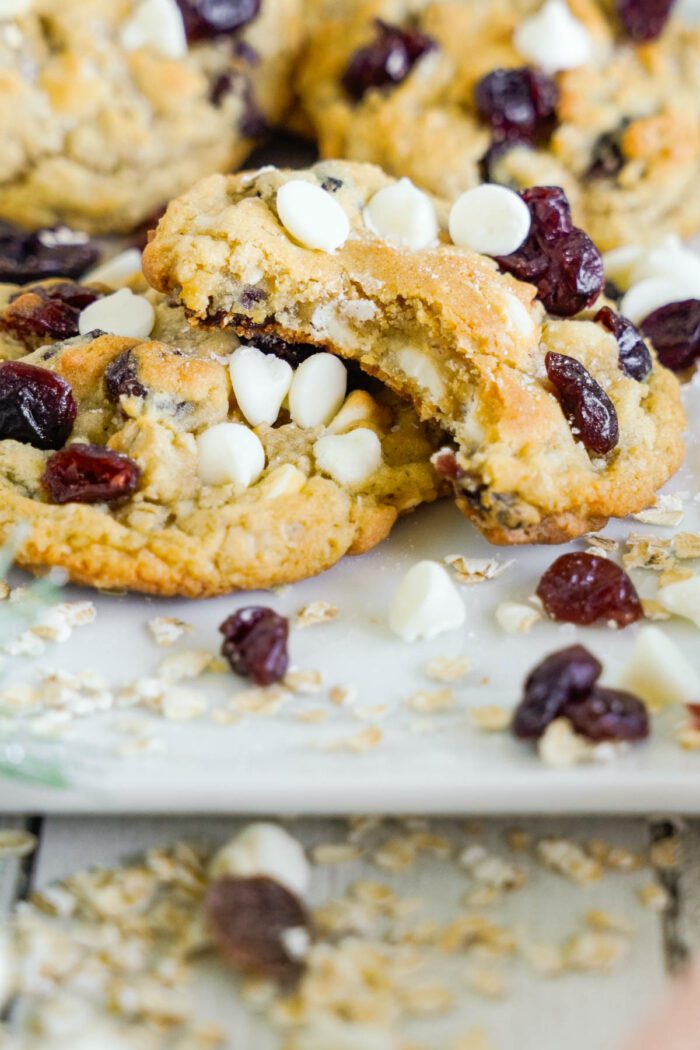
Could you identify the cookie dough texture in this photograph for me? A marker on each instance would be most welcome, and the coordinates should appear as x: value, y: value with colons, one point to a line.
x: 441, y: 327
x: 100, y: 138
x: 427, y: 127
x: 176, y: 536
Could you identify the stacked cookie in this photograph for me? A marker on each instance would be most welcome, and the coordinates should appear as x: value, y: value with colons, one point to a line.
x: 314, y: 353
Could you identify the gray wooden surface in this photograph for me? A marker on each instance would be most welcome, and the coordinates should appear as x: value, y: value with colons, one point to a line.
x: 581, y: 1013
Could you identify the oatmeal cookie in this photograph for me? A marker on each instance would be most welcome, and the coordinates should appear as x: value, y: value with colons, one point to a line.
x: 540, y: 454
x: 134, y: 466
x: 110, y: 107
x: 520, y: 92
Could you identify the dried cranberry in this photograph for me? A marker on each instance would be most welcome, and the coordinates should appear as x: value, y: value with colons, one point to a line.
x: 252, y: 122
x: 292, y: 353
x: 36, y: 406
x: 209, y: 18
x: 674, y: 331
x: 584, y: 403
x: 584, y: 588
x: 42, y: 312
x: 560, y: 259
x: 121, y: 378
x: 447, y: 466
x: 607, y: 159
x: 608, y: 714
x: 566, y: 675
x: 387, y: 61
x: 644, y: 20
x: 255, y: 644
x: 518, y: 104
x: 250, y: 920
x: 634, y: 357
x: 26, y: 256
x: 90, y: 474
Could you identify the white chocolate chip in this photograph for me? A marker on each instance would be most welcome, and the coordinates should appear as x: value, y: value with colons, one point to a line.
x: 670, y: 259
x: 157, y: 24
x: 117, y: 270
x: 230, y: 452
x: 264, y: 849
x: 651, y: 294
x: 260, y: 382
x: 515, y: 618
x: 418, y: 366
x: 426, y: 604
x: 658, y: 672
x: 317, y: 390
x: 560, y: 747
x: 553, y: 38
x: 121, y: 313
x: 682, y: 598
x: 312, y: 216
x: 349, y: 458
x: 489, y: 219
x: 402, y: 215
x: 14, y: 8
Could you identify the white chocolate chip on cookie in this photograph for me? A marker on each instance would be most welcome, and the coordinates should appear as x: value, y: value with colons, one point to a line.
x: 317, y: 390
x: 349, y: 458
x: 121, y: 313
x: 403, y: 215
x: 312, y: 216
x: 651, y: 294
x: 492, y: 220
x: 14, y: 8
x: 426, y: 604
x: 117, y: 270
x: 420, y: 367
x: 230, y: 452
x: 554, y: 39
x: 260, y: 382
x: 682, y: 598
x: 157, y: 24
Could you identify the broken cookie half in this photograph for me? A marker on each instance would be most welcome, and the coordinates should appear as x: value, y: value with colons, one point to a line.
x: 551, y: 426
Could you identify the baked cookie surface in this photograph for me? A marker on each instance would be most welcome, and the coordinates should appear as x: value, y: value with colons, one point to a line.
x: 468, y: 345
x: 614, y: 121
x: 110, y: 107
x: 209, y: 503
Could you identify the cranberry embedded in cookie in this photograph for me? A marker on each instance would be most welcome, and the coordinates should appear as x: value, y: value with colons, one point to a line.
x: 36, y: 406
x: 387, y: 60
x: 30, y: 256
x: 90, y: 474
x: 585, y: 403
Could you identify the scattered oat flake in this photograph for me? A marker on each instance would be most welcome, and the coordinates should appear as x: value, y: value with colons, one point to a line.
x: 398, y: 854
x: 487, y: 983
x: 448, y: 668
x: 312, y: 716
x: 305, y: 682
x: 167, y: 630
x: 475, y: 1040
x: 568, y: 858
x: 648, y: 552
x: 667, y: 510
x: 371, y: 713
x: 675, y: 574
x: 343, y: 694
x: 516, y: 618
x: 475, y: 570
x: 687, y: 545
x: 654, y: 610
x: 429, y: 700
x: 335, y: 853
x: 16, y: 843
x: 665, y: 854
x: 560, y: 747
x: 314, y: 613
x: 688, y: 738
x: 601, y: 544
x: 599, y: 919
x: 190, y: 663
x: 490, y: 718
x: 366, y: 740
x: 653, y: 896
x: 593, y: 951
x: 261, y: 700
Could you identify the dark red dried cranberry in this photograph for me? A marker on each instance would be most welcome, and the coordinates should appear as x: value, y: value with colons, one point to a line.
x: 292, y: 353
x: 607, y: 159
x: 584, y: 588
x: 121, y: 378
x: 584, y: 402
x: 252, y: 122
x: 608, y: 714
x: 518, y: 104
x: 635, y: 359
x: 566, y: 675
x: 209, y: 18
x: 36, y: 406
x: 447, y: 466
x: 90, y: 474
x: 250, y: 920
x: 42, y: 312
x: 26, y: 256
x: 387, y: 60
x: 674, y: 332
x: 560, y: 259
x: 255, y: 644
x: 644, y: 20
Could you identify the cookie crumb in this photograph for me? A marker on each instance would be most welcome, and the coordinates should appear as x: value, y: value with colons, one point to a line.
x: 448, y: 668
x: 315, y: 613
x: 167, y: 630
x: 490, y: 718
x: 475, y: 570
